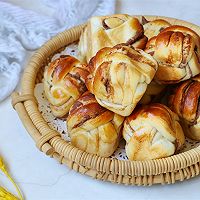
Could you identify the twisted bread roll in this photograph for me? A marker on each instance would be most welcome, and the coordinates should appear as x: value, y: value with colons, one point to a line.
x: 64, y: 82
x: 153, y: 28
x: 152, y: 132
x: 93, y: 128
x: 107, y: 31
x: 177, y: 51
x: 185, y: 101
x: 119, y: 77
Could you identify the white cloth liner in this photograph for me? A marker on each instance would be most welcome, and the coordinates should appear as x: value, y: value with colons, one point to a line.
x: 23, y: 30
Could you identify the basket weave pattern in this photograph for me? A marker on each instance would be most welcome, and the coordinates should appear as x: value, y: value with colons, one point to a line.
x: 166, y: 170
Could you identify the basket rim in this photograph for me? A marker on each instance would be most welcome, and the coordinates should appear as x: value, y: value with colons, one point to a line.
x: 68, y: 151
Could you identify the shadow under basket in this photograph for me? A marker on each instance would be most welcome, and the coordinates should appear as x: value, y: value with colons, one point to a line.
x: 160, y: 171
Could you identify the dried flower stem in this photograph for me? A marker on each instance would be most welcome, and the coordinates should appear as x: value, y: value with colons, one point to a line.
x: 4, y: 194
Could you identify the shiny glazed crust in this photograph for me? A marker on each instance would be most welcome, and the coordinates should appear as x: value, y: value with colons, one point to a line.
x: 64, y: 82
x: 119, y: 77
x: 93, y: 128
x: 151, y: 132
x: 107, y: 31
x: 177, y: 51
x: 185, y: 101
x: 153, y: 28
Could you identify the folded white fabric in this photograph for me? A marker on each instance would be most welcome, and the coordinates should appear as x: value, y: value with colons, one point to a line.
x: 23, y: 30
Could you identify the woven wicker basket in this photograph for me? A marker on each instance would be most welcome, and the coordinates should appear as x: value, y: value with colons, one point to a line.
x: 167, y: 170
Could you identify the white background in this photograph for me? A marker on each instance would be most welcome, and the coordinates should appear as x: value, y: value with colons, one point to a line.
x: 42, y: 178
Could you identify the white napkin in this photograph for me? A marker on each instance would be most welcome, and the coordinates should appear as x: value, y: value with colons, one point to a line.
x: 25, y: 29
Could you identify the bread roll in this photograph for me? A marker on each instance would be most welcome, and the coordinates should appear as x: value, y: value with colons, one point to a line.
x: 64, y: 82
x: 177, y: 51
x: 185, y: 101
x: 119, y: 77
x: 93, y: 128
x: 154, y: 27
x: 107, y: 31
x: 152, y: 131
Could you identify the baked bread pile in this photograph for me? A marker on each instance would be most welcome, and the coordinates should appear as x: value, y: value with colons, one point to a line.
x: 115, y: 89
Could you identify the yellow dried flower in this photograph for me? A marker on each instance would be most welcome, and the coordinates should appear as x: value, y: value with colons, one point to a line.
x: 4, y: 194
x: 2, y: 165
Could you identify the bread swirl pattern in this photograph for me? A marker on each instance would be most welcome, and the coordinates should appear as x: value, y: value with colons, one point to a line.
x: 93, y: 128
x: 185, y: 101
x: 64, y: 82
x: 119, y: 77
x: 151, y: 132
x: 107, y: 31
x: 153, y: 28
x: 177, y: 51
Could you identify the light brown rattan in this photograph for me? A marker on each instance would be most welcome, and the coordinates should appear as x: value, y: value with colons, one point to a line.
x: 167, y: 170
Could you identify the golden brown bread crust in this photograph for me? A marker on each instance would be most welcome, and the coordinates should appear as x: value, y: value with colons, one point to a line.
x: 177, y: 51
x: 107, y: 31
x: 153, y: 28
x: 185, y: 101
x: 185, y: 30
x: 119, y: 77
x: 64, y: 82
x: 152, y: 131
x: 93, y: 128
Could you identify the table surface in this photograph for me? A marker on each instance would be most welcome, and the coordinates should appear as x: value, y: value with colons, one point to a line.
x: 41, y: 177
